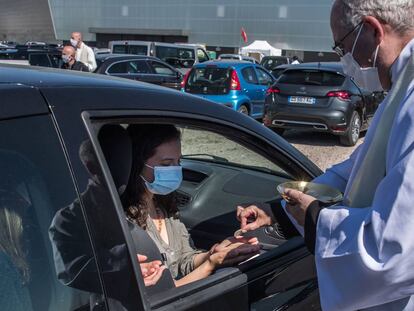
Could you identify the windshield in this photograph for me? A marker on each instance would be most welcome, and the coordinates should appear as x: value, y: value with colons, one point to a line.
x: 176, y: 56
x: 209, y: 80
x: 311, y: 77
x: 271, y: 63
x: 203, y: 145
x: 130, y: 49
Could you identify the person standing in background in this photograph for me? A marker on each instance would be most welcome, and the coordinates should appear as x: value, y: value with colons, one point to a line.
x: 70, y: 62
x: 84, y: 53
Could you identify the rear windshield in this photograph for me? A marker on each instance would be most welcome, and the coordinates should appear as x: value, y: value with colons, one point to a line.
x: 130, y: 49
x: 229, y: 57
x: 176, y: 56
x: 311, y: 77
x: 209, y: 80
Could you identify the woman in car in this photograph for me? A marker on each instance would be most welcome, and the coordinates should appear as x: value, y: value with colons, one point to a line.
x: 149, y: 201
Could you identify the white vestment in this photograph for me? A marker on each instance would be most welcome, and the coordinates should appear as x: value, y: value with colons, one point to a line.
x: 86, y: 55
x: 365, y: 256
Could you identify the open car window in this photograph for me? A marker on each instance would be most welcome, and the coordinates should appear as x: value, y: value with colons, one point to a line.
x: 208, y: 146
x: 220, y: 172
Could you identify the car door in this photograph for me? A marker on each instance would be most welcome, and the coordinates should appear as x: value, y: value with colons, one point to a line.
x: 132, y: 69
x: 43, y: 228
x: 252, y: 89
x: 283, y: 277
x: 265, y: 81
x: 165, y: 75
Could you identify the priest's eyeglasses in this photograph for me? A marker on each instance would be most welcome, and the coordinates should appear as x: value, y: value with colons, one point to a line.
x: 338, y: 48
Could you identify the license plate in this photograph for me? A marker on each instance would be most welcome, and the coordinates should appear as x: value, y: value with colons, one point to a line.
x: 301, y: 100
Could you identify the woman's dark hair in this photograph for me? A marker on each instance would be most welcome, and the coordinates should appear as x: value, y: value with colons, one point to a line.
x: 145, y: 139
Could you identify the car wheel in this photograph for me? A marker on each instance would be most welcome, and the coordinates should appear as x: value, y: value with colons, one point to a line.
x: 352, y: 135
x: 243, y: 109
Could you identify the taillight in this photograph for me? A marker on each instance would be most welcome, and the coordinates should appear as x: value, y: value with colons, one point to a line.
x: 344, y: 95
x: 273, y: 90
x: 184, y: 81
x: 235, y: 82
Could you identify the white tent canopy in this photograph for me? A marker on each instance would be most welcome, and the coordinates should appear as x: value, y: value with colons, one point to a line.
x: 260, y: 47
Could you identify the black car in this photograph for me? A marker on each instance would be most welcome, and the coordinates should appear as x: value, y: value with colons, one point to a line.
x: 320, y: 97
x: 271, y: 62
x: 65, y: 158
x: 278, y: 70
x: 141, y: 68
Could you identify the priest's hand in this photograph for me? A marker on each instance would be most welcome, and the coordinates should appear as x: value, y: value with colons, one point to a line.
x: 297, y: 204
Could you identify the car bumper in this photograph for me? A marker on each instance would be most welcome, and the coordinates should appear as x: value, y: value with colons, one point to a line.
x: 322, y: 120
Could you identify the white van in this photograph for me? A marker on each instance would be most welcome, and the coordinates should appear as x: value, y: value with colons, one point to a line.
x: 180, y: 56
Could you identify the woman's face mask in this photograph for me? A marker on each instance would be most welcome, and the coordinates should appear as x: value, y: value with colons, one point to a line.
x: 167, y: 179
x: 367, y: 78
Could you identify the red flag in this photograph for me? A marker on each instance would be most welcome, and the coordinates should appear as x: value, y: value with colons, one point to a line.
x: 244, y: 35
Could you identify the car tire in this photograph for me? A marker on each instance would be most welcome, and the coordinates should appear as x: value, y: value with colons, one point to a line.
x: 352, y: 135
x: 278, y: 131
x: 243, y: 109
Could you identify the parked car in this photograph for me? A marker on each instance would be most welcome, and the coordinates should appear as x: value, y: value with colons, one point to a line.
x: 238, y: 85
x: 62, y: 182
x: 277, y: 71
x: 180, y: 56
x: 271, y: 62
x: 320, y: 97
x: 238, y: 57
x: 141, y: 68
x: 101, y: 51
x: 51, y: 59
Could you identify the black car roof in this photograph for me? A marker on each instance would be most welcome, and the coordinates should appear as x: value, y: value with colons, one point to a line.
x: 49, y: 77
x: 70, y: 92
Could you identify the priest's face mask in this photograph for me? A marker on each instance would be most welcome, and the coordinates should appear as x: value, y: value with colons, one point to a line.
x: 364, y: 70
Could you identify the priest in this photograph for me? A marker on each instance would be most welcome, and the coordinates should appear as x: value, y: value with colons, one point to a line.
x: 364, y: 247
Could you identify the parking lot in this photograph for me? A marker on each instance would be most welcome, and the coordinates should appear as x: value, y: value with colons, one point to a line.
x: 323, y: 149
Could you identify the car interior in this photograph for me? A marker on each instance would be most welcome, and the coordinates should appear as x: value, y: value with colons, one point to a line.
x: 221, y: 171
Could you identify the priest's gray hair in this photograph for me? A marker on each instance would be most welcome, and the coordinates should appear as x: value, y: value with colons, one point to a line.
x: 399, y: 14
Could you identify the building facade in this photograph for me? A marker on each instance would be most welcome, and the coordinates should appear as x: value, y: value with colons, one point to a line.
x: 299, y: 25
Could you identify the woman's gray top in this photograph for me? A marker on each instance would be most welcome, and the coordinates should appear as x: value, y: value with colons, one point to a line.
x: 180, y: 251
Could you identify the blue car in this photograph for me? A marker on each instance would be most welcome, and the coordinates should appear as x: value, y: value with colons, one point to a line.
x: 239, y: 85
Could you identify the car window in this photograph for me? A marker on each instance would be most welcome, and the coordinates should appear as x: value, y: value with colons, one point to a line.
x: 209, y: 80
x: 121, y: 67
x: 161, y: 69
x: 130, y: 49
x: 202, y: 56
x: 45, y: 251
x: 264, y: 77
x: 249, y: 74
x: 139, y: 66
x: 120, y: 49
x: 270, y: 63
x: 179, y: 57
x: 311, y: 77
x: 138, y: 49
x: 203, y: 144
x: 39, y: 60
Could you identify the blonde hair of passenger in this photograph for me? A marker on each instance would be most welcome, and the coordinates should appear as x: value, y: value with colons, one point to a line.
x: 11, y: 233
